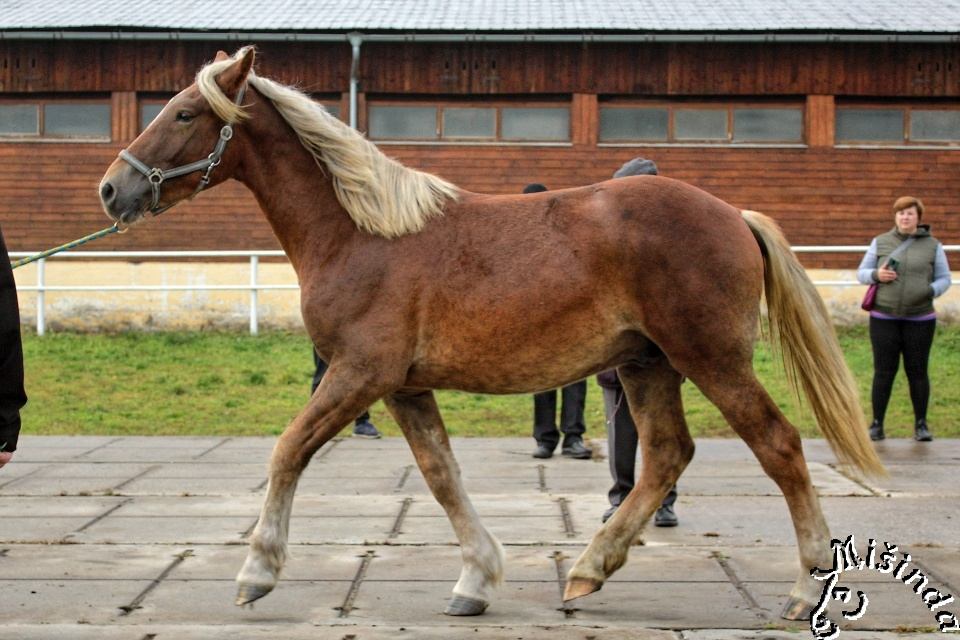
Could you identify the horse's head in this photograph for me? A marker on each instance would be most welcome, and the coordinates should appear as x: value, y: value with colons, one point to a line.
x: 177, y: 155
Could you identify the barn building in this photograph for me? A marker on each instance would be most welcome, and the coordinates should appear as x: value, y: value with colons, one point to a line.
x: 819, y: 113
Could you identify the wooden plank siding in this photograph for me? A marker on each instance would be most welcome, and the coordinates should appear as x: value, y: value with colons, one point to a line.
x: 821, y: 194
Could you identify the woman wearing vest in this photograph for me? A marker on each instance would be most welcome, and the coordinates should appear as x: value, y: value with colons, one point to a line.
x: 912, y: 270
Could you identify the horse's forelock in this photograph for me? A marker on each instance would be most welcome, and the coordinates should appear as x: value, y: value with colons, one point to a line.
x: 206, y: 80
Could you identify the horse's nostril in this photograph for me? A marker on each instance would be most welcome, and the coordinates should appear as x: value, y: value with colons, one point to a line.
x: 107, y: 192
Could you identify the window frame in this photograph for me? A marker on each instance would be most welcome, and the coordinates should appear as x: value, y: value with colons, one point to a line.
x: 498, y: 104
x: 671, y: 105
x: 907, y: 125
x: 40, y: 102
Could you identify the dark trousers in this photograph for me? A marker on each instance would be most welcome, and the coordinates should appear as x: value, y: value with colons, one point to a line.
x: 321, y: 368
x: 573, y: 399
x: 12, y: 395
x: 891, y: 339
x: 622, y: 448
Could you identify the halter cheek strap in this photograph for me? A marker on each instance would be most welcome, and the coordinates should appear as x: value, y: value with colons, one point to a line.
x: 157, y: 176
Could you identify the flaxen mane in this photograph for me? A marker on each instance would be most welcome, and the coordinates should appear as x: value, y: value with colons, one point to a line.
x: 381, y: 195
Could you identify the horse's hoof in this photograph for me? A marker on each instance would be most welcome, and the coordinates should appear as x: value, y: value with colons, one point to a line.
x: 797, y: 609
x: 247, y: 593
x: 464, y: 606
x: 579, y: 587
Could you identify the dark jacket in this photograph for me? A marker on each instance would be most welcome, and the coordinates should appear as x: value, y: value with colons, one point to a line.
x: 12, y: 396
x: 910, y: 294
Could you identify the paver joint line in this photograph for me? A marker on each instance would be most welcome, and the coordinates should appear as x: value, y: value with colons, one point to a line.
x: 126, y: 610
x: 398, y: 523
x: 99, y: 517
x: 214, y: 447
x: 149, y: 469
x: 741, y: 588
x: 857, y: 481
x: 404, y: 477
x: 542, y: 477
x: 558, y: 558
x: 347, y: 605
x: 102, y: 446
x: 567, y: 517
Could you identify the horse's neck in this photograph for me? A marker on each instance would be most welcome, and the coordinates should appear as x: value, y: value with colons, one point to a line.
x: 296, y: 197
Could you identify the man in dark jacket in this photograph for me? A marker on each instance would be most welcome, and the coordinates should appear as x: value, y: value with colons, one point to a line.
x: 621, y: 430
x: 12, y: 395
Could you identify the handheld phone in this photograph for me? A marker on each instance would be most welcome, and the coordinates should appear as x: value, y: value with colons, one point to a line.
x: 893, y: 263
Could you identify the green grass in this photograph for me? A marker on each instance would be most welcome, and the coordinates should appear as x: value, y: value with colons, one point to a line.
x: 232, y: 384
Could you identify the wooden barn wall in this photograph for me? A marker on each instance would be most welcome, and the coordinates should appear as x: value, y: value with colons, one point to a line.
x: 820, y: 194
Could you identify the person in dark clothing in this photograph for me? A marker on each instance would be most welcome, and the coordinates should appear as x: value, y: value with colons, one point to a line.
x: 12, y: 394
x: 621, y: 429
x: 911, y: 269
x: 362, y: 428
x: 573, y: 400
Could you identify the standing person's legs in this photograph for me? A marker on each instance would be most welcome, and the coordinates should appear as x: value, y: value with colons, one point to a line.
x: 544, y: 423
x: 886, y: 341
x: 622, y: 447
x: 12, y: 395
x: 571, y: 420
x: 917, y: 340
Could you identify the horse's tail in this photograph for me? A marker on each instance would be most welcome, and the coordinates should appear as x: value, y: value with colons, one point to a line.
x: 801, y: 328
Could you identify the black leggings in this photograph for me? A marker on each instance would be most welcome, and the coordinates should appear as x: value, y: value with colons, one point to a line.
x: 890, y: 338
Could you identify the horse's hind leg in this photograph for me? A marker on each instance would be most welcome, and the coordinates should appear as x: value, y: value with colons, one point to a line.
x: 755, y: 417
x: 342, y: 395
x: 419, y: 418
x: 653, y: 393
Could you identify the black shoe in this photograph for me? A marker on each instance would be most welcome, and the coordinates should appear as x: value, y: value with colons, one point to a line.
x: 876, y: 431
x: 665, y: 517
x: 573, y: 448
x: 365, y: 430
x: 608, y: 513
x: 543, y: 451
x: 921, y: 432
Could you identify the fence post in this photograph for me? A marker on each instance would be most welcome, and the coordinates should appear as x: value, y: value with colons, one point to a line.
x: 254, y: 263
x: 40, y: 296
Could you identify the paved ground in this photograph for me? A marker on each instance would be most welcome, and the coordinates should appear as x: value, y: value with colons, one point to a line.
x: 140, y: 538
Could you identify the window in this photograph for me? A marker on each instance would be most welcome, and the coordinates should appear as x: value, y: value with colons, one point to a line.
x: 701, y: 123
x: 456, y: 122
x: 62, y: 119
x: 893, y: 125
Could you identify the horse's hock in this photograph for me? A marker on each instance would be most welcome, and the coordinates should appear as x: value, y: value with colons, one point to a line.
x: 198, y: 309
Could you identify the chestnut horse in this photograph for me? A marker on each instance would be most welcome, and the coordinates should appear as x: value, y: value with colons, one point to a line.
x: 410, y: 284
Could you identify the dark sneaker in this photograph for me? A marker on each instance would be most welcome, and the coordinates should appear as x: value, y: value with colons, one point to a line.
x: 665, y: 517
x: 543, y: 451
x: 365, y: 430
x: 573, y: 448
x: 876, y: 431
x: 608, y: 513
x: 921, y: 432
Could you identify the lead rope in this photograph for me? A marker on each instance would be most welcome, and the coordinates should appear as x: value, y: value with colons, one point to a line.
x: 70, y: 245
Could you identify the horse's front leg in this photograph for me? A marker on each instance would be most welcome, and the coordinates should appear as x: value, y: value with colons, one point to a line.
x: 418, y: 416
x: 343, y: 394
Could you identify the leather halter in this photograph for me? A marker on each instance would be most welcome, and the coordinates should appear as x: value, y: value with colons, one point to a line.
x: 157, y: 176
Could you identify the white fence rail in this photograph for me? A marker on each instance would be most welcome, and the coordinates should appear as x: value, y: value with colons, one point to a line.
x: 254, y: 287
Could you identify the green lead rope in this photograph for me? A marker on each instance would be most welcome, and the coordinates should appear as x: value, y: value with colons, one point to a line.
x: 70, y: 245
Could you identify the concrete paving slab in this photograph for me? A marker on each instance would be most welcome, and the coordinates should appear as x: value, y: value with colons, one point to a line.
x: 345, y: 631
x: 33, y: 530
x: 171, y: 530
x: 85, y: 562
x: 724, y: 509
x: 317, y: 563
x: 66, y: 601
x: 669, y: 605
x: 211, y: 602
x: 393, y: 603
x: 917, y: 480
x: 891, y: 604
x: 732, y: 634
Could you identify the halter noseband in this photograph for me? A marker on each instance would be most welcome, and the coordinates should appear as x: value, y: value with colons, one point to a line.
x: 157, y: 176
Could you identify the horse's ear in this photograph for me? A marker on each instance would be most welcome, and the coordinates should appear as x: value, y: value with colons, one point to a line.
x: 235, y: 75
x: 221, y: 56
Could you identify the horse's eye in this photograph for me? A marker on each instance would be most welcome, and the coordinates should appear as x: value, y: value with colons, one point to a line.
x: 184, y: 116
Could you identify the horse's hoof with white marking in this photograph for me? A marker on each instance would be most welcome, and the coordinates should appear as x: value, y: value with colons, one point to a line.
x: 579, y: 587
x: 248, y: 593
x: 797, y: 609
x: 464, y: 606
